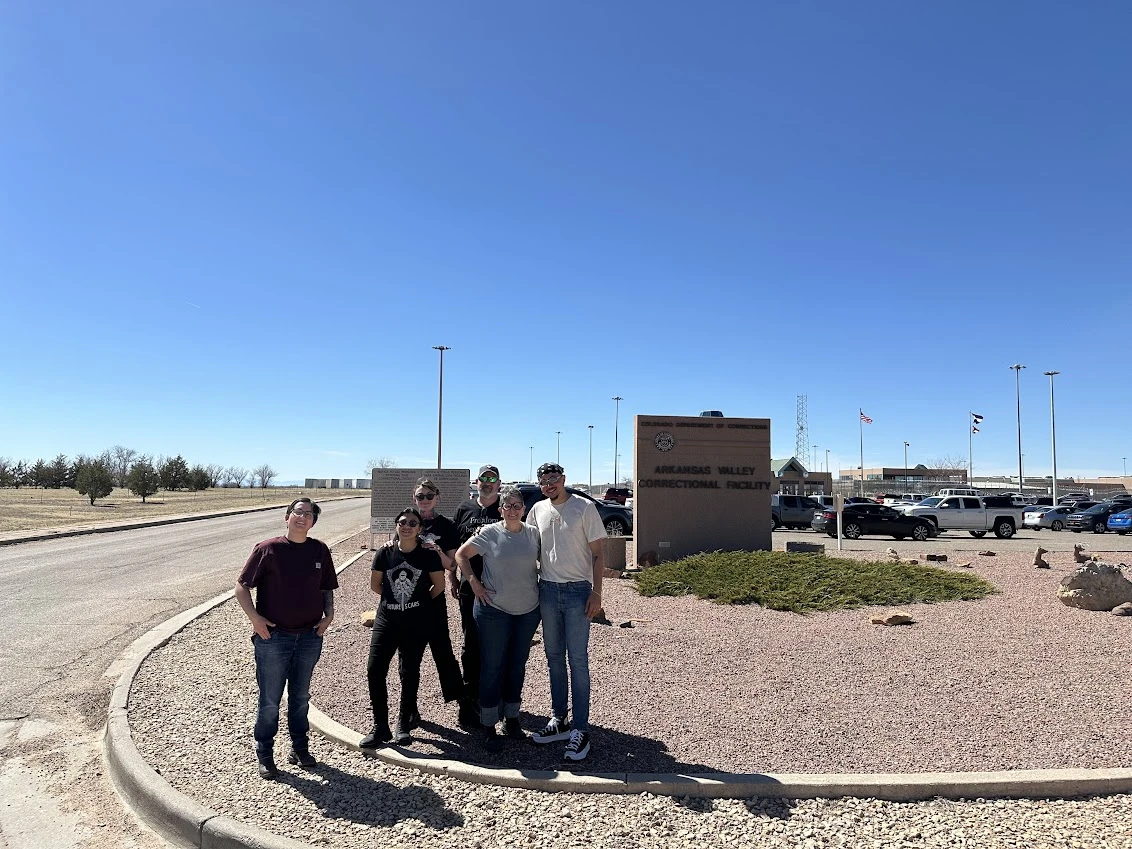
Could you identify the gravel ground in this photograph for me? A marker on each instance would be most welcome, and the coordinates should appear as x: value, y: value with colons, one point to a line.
x: 1014, y: 681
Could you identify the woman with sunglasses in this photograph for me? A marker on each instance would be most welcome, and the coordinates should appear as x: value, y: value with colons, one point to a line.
x: 408, y: 577
x: 506, y: 612
x: 439, y: 534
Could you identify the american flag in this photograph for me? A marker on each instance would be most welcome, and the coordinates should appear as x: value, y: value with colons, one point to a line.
x: 864, y: 418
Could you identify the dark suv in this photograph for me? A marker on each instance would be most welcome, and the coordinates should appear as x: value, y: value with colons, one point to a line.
x: 1094, y: 519
x: 617, y: 494
x: 618, y: 520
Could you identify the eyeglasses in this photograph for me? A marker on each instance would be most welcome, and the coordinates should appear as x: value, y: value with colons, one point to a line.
x: 549, y: 480
x: 408, y: 523
x: 489, y: 479
x: 425, y: 496
x: 512, y: 506
x: 303, y: 514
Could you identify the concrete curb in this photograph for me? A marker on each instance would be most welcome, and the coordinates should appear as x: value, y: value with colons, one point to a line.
x: 185, y: 822
x: 175, y: 519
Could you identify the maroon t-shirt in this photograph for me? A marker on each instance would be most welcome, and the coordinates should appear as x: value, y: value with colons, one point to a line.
x: 289, y: 578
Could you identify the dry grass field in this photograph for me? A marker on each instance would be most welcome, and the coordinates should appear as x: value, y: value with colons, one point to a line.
x: 27, y: 509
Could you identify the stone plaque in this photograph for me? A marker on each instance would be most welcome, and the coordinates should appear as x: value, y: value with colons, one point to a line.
x: 701, y: 484
x: 393, y: 491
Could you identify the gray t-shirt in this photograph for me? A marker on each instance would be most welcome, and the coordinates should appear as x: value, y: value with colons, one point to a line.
x: 510, y: 566
x: 567, y: 531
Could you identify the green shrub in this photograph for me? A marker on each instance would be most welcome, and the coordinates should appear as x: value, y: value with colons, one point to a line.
x: 803, y: 583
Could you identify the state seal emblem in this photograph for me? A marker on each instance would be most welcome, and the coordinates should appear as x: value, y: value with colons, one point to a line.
x: 664, y: 442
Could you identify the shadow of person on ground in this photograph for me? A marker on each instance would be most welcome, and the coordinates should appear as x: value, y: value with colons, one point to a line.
x: 360, y: 799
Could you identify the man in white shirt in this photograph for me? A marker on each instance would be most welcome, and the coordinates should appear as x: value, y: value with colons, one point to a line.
x: 569, y: 597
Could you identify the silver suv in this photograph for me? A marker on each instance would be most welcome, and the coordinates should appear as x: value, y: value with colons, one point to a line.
x: 792, y: 511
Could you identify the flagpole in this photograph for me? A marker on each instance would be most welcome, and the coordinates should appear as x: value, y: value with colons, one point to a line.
x: 861, y: 430
x: 971, y: 451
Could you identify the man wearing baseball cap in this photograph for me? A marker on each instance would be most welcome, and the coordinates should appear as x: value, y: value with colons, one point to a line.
x: 470, y: 516
x: 569, y: 597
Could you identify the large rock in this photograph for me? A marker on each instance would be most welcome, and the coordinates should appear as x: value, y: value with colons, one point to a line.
x: 1095, y: 586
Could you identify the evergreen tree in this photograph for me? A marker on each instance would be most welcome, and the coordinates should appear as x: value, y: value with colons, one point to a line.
x: 174, y: 473
x: 94, y: 480
x: 143, y: 479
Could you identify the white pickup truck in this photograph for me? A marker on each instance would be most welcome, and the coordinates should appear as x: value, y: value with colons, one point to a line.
x: 971, y: 514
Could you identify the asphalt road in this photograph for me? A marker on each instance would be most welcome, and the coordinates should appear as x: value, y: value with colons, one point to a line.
x: 69, y: 608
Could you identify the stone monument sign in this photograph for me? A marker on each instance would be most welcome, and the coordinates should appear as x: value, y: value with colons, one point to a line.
x: 393, y: 491
x: 701, y: 484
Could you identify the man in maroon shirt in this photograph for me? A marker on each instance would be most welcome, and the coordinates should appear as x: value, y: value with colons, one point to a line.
x: 294, y: 580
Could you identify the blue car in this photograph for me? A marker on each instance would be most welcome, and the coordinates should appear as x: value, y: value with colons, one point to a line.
x: 1120, y: 522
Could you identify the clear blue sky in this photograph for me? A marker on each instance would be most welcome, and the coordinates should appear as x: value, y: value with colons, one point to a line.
x: 235, y: 230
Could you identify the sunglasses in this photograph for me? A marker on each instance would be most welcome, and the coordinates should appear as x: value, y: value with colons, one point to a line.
x: 425, y: 496
x: 489, y: 479
x: 549, y: 480
x: 408, y: 523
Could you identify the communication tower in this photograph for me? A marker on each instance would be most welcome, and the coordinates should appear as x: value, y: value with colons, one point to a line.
x: 802, y: 432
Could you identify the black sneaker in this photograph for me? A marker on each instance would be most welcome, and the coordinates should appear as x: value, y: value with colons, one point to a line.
x: 401, y: 734
x: 578, y: 747
x: 303, y: 758
x: 376, y: 737
x: 492, y: 742
x: 557, y: 729
x: 512, y: 728
x: 267, y: 768
x: 469, y: 716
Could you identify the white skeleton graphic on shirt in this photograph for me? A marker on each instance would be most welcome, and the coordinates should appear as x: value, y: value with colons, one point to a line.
x: 403, y: 586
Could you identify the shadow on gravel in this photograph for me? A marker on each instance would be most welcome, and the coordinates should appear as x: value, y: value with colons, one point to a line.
x: 341, y: 795
x: 771, y: 809
x: 612, y: 751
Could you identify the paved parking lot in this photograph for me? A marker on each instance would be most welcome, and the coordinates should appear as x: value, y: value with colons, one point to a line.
x: 1025, y: 540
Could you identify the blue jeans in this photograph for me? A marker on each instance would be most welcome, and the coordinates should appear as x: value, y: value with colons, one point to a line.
x: 285, y: 659
x: 505, y: 645
x: 566, y: 632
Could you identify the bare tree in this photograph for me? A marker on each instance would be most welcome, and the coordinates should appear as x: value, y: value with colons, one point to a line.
x: 948, y: 463
x: 234, y: 476
x: 379, y: 463
x: 215, y: 473
x: 264, y: 474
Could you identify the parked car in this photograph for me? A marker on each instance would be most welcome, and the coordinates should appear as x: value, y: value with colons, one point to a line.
x: 1046, y: 517
x: 858, y: 499
x: 792, y: 511
x: 618, y: 520
x: 1094, y: 519
x: 1120, y: 522
x: 858, y: 520
x: 1072, y: 496
x: 618, y: 494
x: 1079, y: 506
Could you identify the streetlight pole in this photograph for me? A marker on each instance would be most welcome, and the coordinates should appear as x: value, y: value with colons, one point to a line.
x: 1052, y: 431
x: 440, y: 406
x: 558, y: 458
x: 591, y: 427
x: 1017, y: 368
x: 531, y: 474
x: 827, y: 461
x: 906, y: 443
x: 617, y: 399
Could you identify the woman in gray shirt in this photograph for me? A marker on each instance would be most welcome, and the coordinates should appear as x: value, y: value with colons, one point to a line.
x: 506, y: 612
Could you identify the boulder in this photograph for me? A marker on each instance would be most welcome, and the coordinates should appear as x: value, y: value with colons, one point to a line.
x: 896, y: 617
x: 1095, y: 586
x: 1123, y: 609
x: 965, y: 565
x: 987, y: 553
x: 367, y: 617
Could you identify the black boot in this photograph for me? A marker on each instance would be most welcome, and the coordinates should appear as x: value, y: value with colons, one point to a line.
x: 376, y: 737
x: 401, y: 734
x: 267, y: 768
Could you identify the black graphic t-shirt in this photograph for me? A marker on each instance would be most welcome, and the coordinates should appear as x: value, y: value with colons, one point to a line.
x: 406, y: 583
x: 470, y: 517
x: 441, y: 530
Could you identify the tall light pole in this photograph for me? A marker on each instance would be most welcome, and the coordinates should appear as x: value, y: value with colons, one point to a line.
x: 1125, y: 459
x: 440, y: 406
x: 1052, y: 431
x: 1017, y: 368
x: 906, y: 444
x: 827, y: 461
x: 531, y: 474
x: 591, y: 427
x: 558, y: 458
x: 617, y: 399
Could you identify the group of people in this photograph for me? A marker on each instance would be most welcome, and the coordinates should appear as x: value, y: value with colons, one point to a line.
x: 507, y: 574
